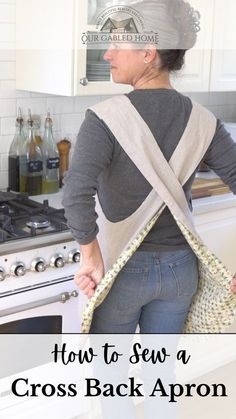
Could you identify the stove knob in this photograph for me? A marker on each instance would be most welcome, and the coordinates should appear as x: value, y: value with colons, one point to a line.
x: 38, y: 265
x: 57, y: 261
x: 18, y: 269
x: 2, y: 274
x: 74, y: 256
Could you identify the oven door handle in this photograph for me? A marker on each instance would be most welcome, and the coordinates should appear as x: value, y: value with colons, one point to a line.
x: 60, y: 298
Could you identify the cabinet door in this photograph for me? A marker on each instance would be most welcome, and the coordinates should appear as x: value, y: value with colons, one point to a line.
x: 218, y: 231
x: 49, y: 58
x: 223, y: 69
x: 196, y: 72
x: 92, y: 72
x: 45, y: 46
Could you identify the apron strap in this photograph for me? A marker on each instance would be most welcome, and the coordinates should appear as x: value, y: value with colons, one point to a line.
x: 138, y: 142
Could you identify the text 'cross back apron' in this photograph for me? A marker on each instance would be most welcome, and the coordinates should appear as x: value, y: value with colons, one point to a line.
x: 213, y: 306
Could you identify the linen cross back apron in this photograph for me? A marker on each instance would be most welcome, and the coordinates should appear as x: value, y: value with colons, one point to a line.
x: 118, y: 241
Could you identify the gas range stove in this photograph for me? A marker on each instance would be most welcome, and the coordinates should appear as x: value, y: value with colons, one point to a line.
x: 34, y: 239
x: 21, y: 217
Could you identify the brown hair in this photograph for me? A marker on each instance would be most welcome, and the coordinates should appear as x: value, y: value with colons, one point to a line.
x: 172, y: 59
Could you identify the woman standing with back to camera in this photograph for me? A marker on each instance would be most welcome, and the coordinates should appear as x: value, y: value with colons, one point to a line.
x: 155, y: 288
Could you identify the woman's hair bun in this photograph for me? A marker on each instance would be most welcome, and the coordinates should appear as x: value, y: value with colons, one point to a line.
x: 187, y: 22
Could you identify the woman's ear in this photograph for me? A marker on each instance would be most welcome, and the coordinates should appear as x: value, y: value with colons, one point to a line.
x: 150, y: 54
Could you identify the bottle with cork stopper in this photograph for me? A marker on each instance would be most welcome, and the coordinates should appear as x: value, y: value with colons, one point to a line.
x: 50, y: 159
x: 31, y: 163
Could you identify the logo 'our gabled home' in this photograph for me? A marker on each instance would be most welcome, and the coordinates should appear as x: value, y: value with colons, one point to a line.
x: 119, y: 26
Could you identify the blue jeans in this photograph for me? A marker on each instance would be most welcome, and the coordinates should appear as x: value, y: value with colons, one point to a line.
x: 154, y: 290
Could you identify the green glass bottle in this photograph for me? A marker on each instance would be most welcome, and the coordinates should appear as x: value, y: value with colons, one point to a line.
x: 31, y: 163
x: 50, y: 159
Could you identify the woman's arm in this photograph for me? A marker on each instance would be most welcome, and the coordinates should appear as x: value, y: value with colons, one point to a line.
x: 92, y: 154
x: 221, y: 156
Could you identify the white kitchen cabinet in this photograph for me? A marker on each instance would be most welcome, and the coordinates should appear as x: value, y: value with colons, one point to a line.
x: 223, y: 63
x: 44, y: 46
x: 215, y: 220
x: 195, y: 75
x: 50, y: 59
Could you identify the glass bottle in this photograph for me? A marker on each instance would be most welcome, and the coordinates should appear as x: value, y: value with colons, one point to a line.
x: 14, y: 155
x: 50, y: 159
x: 36, y: 126
x: 31, y: 163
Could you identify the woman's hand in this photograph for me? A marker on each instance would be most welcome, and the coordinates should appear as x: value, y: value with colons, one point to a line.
x: 233, y: 284
x: 91, y: 270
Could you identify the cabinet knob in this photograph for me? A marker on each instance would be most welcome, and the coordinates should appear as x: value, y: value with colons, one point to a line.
x: 84, y: 81
x: 57, y: 261
x: 18, y: 269
x: 38, y: 265
x: 2, y: 274
x: 74, y: 256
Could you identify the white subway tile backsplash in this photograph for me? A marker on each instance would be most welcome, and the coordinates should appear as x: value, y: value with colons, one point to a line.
x: 56, y: 119
x: 60, y: 105
x: 5, y: 142
x: 3, y: 180
x: 7, y: 13
x: 7, y: 107
x: 7, y: 70
x: 8, y: 54
x: 33, y: 94
x: 37, y: 105
x: 70, y: 124
x: 83, y: 103
x: 4, y: 162
x: 7, y: 126
x: 7, y: 89
x: 7, y: 32
x: 22, y: 94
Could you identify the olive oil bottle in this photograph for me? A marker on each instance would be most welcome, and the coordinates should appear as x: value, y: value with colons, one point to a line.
x: 50, y: 159
x: 31, y: 163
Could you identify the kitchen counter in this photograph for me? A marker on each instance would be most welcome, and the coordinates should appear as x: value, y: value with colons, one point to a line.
x: 200, y: 205
x: 214, y: 203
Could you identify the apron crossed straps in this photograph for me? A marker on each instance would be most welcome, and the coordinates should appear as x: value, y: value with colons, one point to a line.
x: 118, y: 241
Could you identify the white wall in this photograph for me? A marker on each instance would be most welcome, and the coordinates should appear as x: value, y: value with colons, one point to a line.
x: 67, y: 112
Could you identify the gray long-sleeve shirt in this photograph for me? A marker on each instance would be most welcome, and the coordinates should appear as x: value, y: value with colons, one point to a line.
x: 99, y: 164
